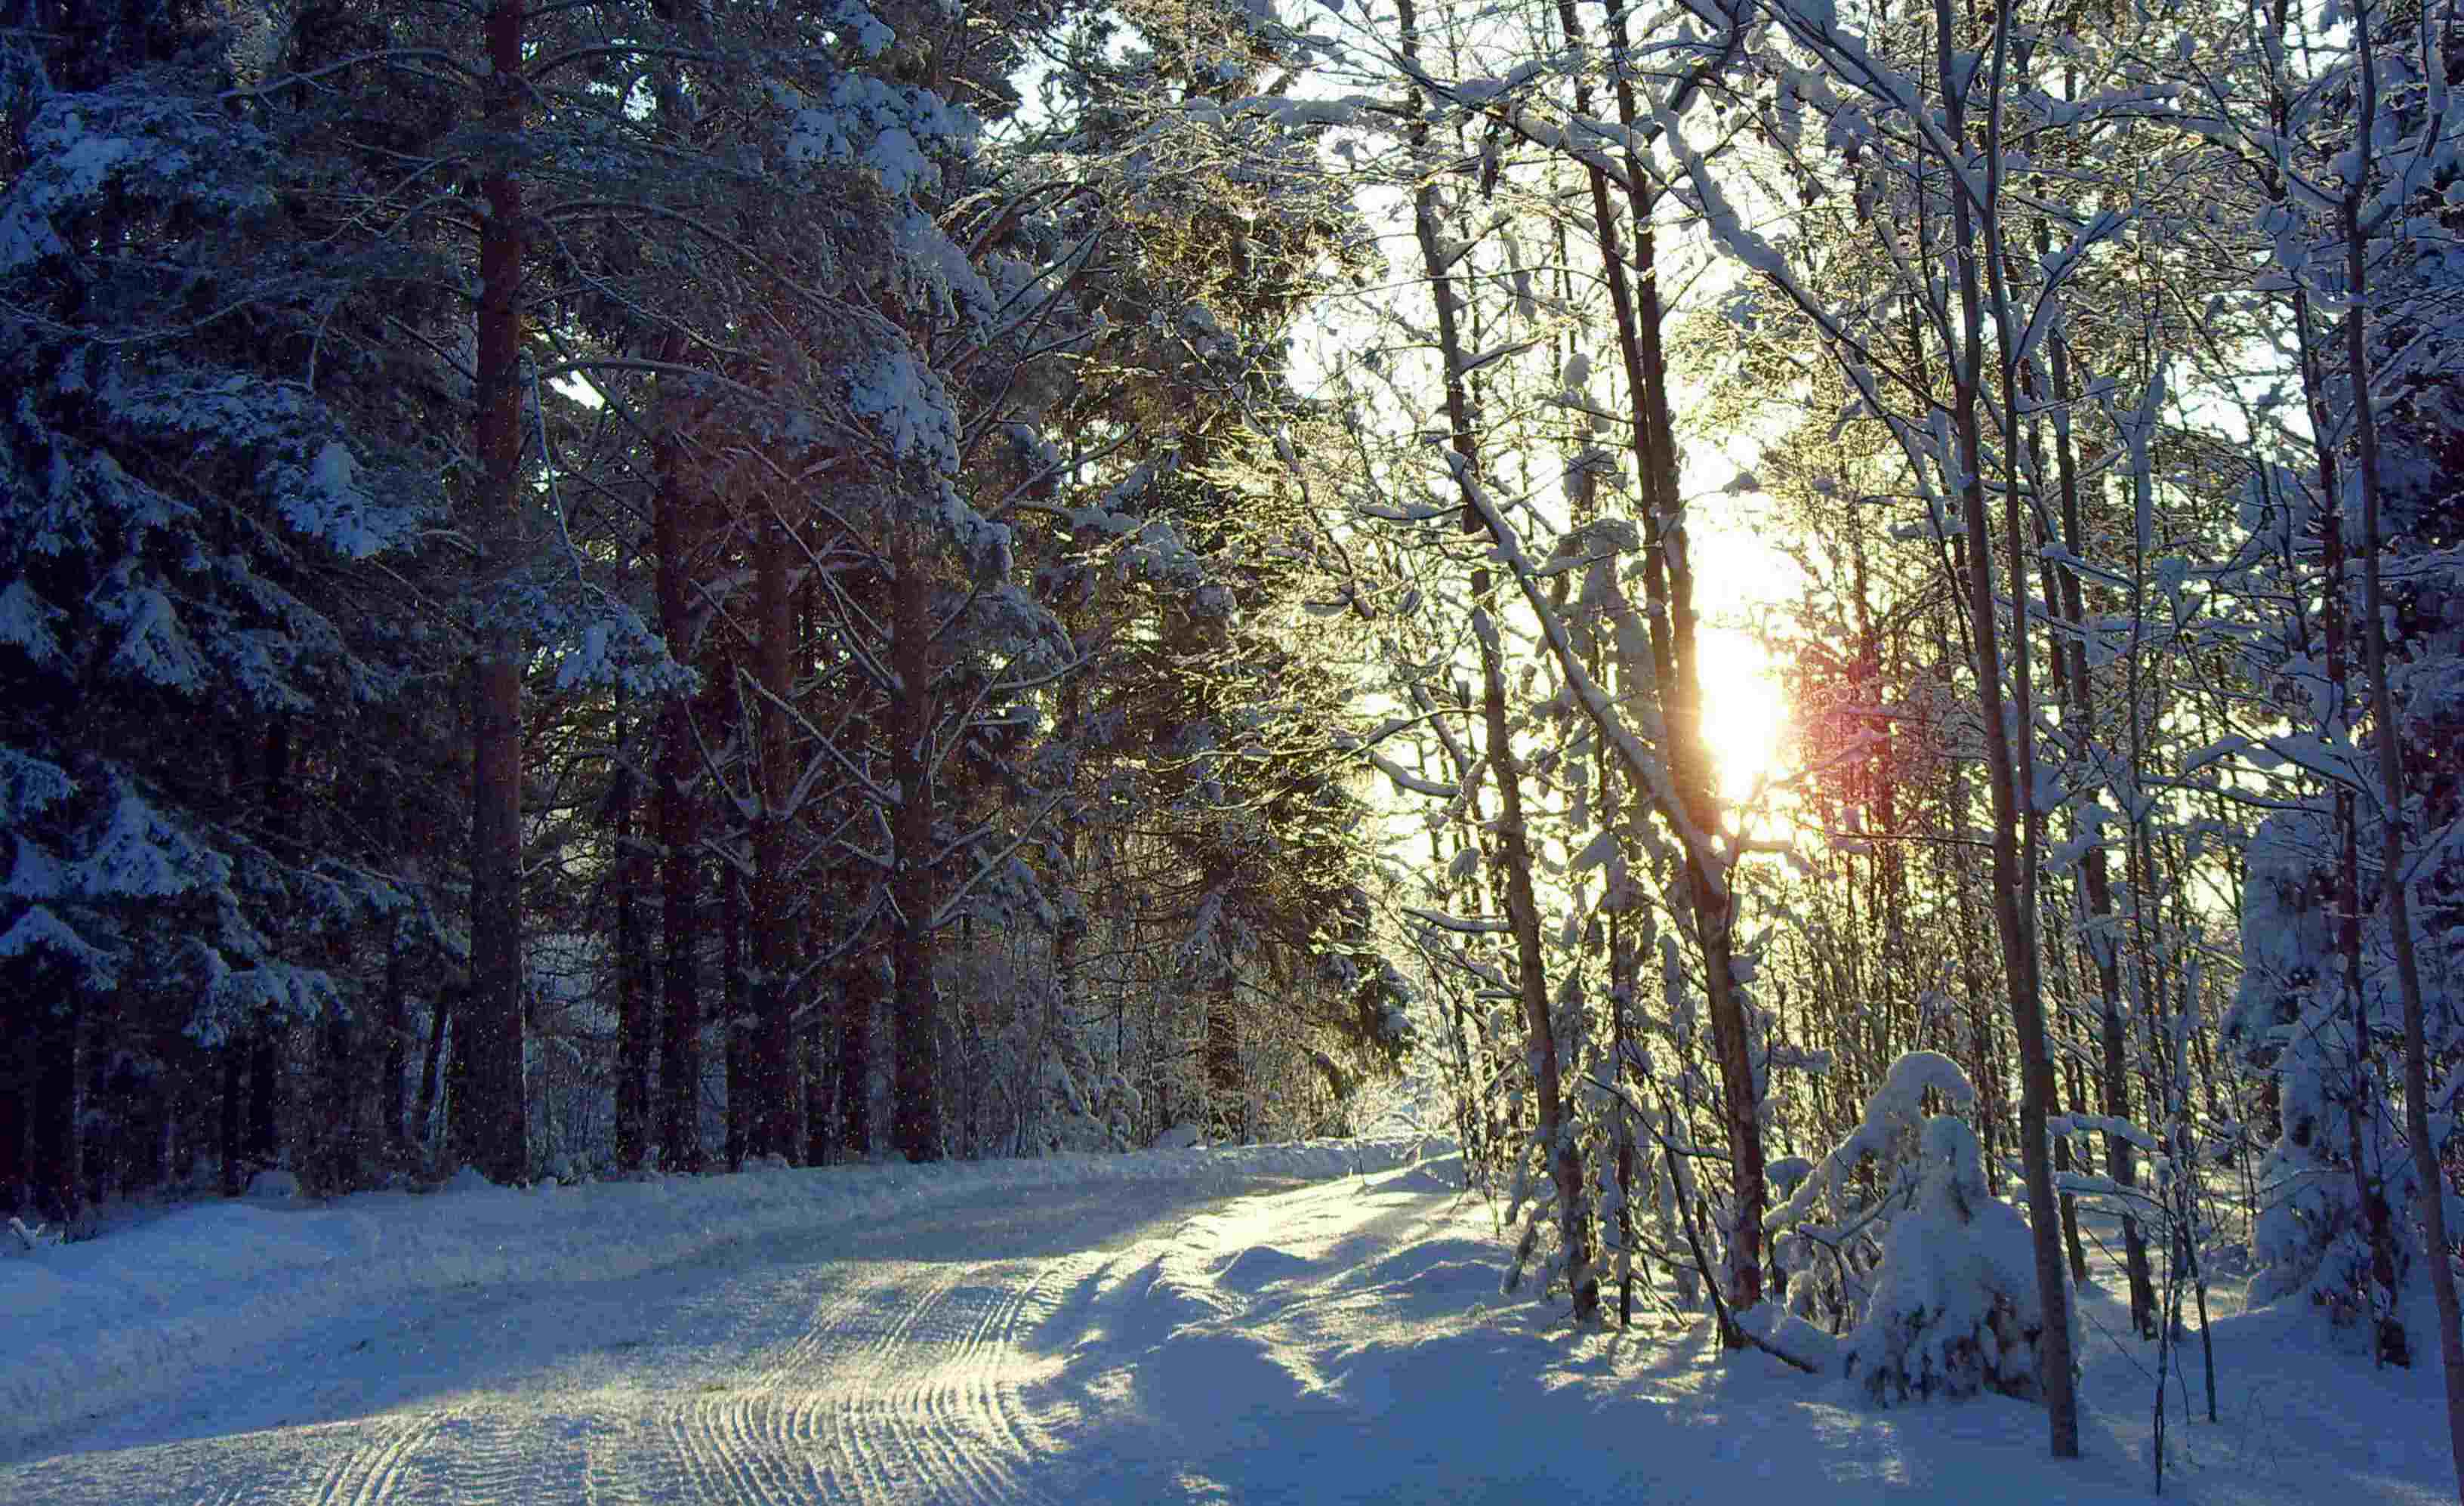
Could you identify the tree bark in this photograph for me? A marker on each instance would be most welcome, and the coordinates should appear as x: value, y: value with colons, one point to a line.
x: 674, y: 539
x: 859, y: 991
x: 741, y: 1092
x: 17, y: 1036
x: 1668, y: 587
x: 2010, y: 768
x: 2429, y: 1196
x: 231, y: 1140
x: 773, y: 1045
x: 57, y: 1177
x: 916, y: 1113
x: 2071, y: 1241
x: 2063, y: 594
x: 267, y: 1033
x: 812, y: 1061
x: 397, y: 1033
x: 490, y: 1123
x: 1227, y: 1093
x: 1556, y: 1129
x: 431, y: 1064
x: 264, y: 1091
x: 634, y: 1032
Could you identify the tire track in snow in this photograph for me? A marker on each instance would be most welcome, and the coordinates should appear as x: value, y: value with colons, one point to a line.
x: 503, y: 1455
x: 868, y: 1455
x: 742, y: 1442
x: 939, y: 1410
x: 977, y: 1387
x: 650, y: 1445
x: 370, y: 1472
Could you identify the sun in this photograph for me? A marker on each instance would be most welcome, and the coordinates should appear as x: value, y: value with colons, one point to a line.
x: 1739, y: 577
x: 1745, y: 712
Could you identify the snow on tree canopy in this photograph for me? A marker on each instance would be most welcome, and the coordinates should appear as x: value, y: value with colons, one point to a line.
x: 868, y: 122
x: 1894, y: 1111
x: 135, y: 139
x: 30, y: 786
x: 1955, y: 1306
x: 138, y: 853
x: 38, y: 932
x: 905, y: 399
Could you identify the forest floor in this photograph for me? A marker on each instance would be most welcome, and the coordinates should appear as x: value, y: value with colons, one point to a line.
x: 1263, y: 1324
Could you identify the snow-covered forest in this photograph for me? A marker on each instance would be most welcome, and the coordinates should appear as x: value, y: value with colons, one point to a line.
x: 624, y: 591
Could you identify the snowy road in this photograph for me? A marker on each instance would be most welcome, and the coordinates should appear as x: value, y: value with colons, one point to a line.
x: 915, y: 1360
x: 1122, y: 1330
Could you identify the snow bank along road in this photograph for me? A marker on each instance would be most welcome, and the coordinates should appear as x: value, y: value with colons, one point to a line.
x: 1259, y: 1325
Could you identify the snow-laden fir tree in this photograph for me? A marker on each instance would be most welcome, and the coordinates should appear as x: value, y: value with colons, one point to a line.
x: 180, y: 520
x: 1895, y: 1230
x: 2356, y: 889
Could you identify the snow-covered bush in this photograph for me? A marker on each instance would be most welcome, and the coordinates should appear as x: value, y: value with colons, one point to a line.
x: 1938, y: 1274
x: 1955, y: 1307
x: 25, y: 1238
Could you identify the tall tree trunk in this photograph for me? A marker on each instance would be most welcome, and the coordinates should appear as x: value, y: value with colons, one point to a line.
x: 741, y: 1090
x: 859, y: 991
x: 674, y: 539
x: 634, y: 1032
x: 17, y: 1039
x: 2071, y: 1241
x: 774, y: 1039
x: 2009, y: 761
x: 1668, y: 587
x: 268, y: 1033
x: 344, y: 1165
x: 812, y: 1064
x: 265, y: 1089
x: 1991, y: 1090
x: 916, y: 1113
x: 2429, y: 1196
x: 2064, y: 595
x: 1555, y: 1128
x: 440, y: 1015
x: 1227, y: 1091
x: 490, y: 1125
x: 2369, y: 1185
x: 57, y: 1177
x: 231, y: 1140
x: 2344, y: 905
x: 397, y: 1035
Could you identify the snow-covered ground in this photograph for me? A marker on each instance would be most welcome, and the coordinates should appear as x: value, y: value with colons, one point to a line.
x: 1266, y: 1324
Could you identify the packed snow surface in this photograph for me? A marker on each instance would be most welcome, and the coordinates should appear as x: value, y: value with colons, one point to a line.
x: 1302, y: 1323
